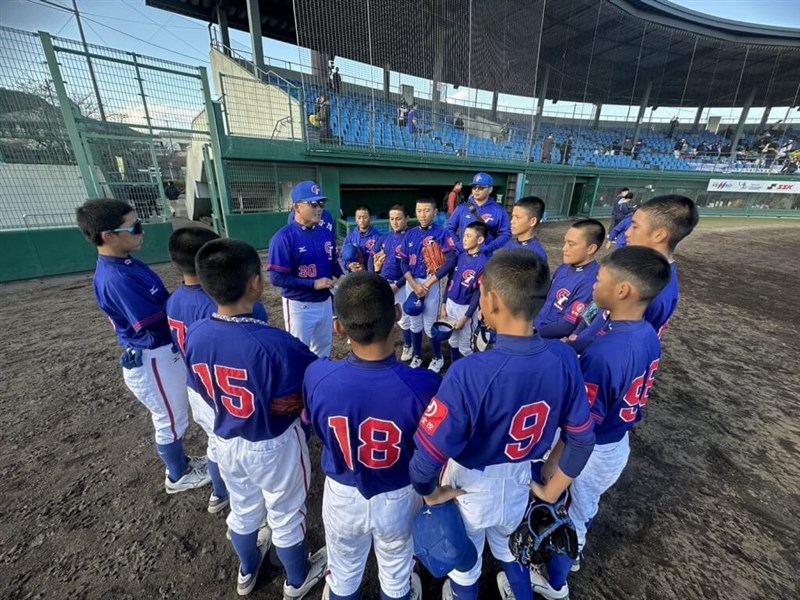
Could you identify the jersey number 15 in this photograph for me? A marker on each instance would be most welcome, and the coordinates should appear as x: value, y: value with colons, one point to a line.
x: 237, y: 400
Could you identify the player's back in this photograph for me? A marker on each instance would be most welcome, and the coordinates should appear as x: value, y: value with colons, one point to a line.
x: 662, y: 307
x: 513, y: 399
x: 619, y: 369
x: 366, y: 413
x: 250, y: 371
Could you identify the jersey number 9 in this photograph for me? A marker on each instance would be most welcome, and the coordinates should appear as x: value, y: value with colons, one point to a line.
x: 380, y: 442
x: 526, y: 428
x: 638, y: 392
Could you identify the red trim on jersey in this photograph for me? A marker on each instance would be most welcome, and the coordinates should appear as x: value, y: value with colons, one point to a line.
x: 280, y: 268
x: 147, y: 320
x: 428, y: 446
x: 579, y: 428
x: 154, y: 366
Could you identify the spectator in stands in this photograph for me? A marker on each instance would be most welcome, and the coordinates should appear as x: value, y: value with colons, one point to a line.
x: 680, y: 147
x: 623, y: 205
x: 454, y: 198
x: 627, y: 146
x: 566, y: 150
x: 411, y: 119
x: 637, y: 149
x: 616, y: 147
x: 458, y: 122
x: 673, y: 125
x: 324, y: 116
x: 503, y: 136
x: 336, y: 80
x: 785, y: 150
x: 402, y: 112
x: 171, y: 192
x: 547, y: 149
x: 715, y: 149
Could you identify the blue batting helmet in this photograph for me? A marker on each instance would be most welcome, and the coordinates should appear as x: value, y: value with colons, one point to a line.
x: 440, y: 540
x: 350, y: 254
x: 414, y: 305
x: 441, y: 331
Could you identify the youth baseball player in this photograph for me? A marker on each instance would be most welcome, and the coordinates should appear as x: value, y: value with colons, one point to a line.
x: 134, y: 298
x: 660, y: 224
x: 304, y: 263
x: 253, y: 375
x: 525, y: 217
x: 619, y: 235
x: 187, y: 304
x: 364, y: 237
x: 618, y: 369
x: 387, y: 262
x: 423, y: 277
x: 481, y: 207
x: 367, y: 442
x: 494, y: 413
x: 571, y: 289
x: 464, y: 293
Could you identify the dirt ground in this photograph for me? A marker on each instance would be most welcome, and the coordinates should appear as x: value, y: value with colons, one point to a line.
x: 708, y: 507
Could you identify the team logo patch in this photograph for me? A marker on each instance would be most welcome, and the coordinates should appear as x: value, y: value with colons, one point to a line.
x: 467, y: 277
x: 433, y: 416
x: 328, y: 248
x: 562, y: 297
x: 315, y: 190
x: 427, y: 241
x: 578, y: 308
x: 370, y: 244
x: 487, y: 218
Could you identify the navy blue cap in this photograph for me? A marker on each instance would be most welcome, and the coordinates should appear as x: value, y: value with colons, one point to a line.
x: 307, y: 191
x: 483, y: 179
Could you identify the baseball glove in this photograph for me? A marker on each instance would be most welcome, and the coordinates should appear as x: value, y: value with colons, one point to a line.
x: 545, y: 530
x: 378, y: 259
x: 433, y: 257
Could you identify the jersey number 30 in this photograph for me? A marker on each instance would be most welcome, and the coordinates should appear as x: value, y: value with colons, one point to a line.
x: 380, y: 442
x: 237, y: 400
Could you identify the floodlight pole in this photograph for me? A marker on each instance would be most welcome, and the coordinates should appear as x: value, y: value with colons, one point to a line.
x: 540, y: 106
x: 224, y: 32
x: 764, y: 118
x: 742, y: 118
x: 642, y: 108
x: 697, y: 116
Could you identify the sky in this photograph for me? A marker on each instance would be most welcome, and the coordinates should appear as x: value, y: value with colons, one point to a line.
x: 132, y: 26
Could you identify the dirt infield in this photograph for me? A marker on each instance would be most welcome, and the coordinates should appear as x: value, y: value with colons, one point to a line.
x: 708, y: 507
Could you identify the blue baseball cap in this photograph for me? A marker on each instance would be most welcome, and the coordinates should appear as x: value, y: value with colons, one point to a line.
x: 483, y: 179
x: 307, y: 191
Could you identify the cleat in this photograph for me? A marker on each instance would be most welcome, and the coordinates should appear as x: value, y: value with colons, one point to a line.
x: 436, y: 365
x: 576, y: 566
x: 542, y: 587
x: 408, y: 354
x: 318, y: 565
x: 416, y: 587
x: 193, y: 478
x: 416, y: 363
x: 506, y: 593
x: 198, y: 462
x: 217, y: 504
x: 246, y: 583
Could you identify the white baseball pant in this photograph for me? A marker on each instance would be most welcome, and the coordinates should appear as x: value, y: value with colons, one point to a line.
x: 461, y: 338
x: 353, y: 524
x: 399, y: 298
x: 430, y: 313
x: 492, y: 508
x: 602, y: 470
x: 160, y: 384
x: 267, y: 479
x: 204, y: 416
x: 311, y: 323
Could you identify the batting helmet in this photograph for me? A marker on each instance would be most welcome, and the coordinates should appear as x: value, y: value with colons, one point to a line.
x: 440, y: 540
x: 441, y: 331
x: 483, y: 338
x: 414, y: 305
x: 350, y: 254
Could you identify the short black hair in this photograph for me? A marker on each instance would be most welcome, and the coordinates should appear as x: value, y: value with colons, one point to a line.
x: 401, y: 207
x: 594, y: 232
x: 520, y: 278
x: 624, y: 190
x: 644, y: 268
x: 677, y: 214
x: 224, y: 267
x: 534, y: 205
x: 184, y: 244
x: 99, y: 215
x: 364, y: 305
x: 363, y: 207
x: 480, y: 228
x: 427, y: 200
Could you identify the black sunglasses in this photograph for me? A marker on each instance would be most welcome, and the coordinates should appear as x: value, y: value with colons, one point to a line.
x: 135, y: 229
x: 315, y: 203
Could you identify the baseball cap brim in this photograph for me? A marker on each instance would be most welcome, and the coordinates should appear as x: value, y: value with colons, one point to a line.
x: 310, y: 199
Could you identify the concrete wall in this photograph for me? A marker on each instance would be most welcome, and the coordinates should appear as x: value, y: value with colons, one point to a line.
x: 39, y: 195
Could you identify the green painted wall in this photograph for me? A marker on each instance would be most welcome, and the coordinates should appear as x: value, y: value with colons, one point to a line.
x: 257, y: 228
x: 26, y: 254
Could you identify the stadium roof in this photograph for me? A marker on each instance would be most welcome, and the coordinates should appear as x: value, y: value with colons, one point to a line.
x: 593, y: 47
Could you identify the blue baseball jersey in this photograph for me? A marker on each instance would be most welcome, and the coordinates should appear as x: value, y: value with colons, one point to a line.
x: 619, y: 369
x: 297, y: 256
x: 531, y: 244
x: 505, y: 406
x: 367, y: 242
x: 249, y: 372
x: 326, y: 220
x: 392, y: 246
x: 491, y: 213
x: 133, y: 297
x: 570, y: 293
x: 619, y: 235
x: 416, y: 238
x: 367, y: 439
x: 466, y: 279
x: 657, y: 313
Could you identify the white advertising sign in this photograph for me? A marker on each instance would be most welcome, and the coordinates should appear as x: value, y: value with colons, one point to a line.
x: 758, y: 187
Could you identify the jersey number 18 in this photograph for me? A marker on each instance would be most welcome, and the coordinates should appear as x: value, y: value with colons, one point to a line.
x: 380, y: 442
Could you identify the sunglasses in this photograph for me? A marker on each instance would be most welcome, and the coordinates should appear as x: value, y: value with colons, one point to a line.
x: 315, y: 203
x: 479, y: 187
x: 135, y: 229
